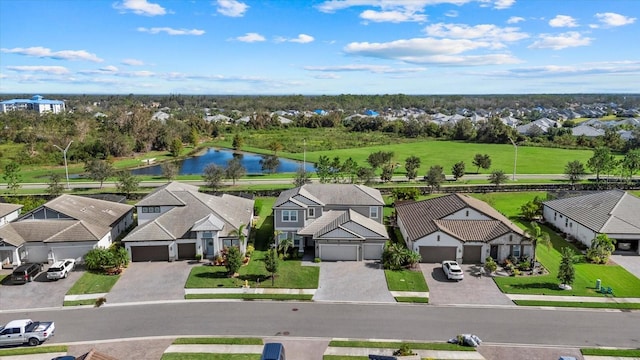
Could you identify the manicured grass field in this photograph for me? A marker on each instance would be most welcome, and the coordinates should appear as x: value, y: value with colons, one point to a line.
x: 276, y: 297
x: 79, y: 302
x: 405, y: 280
x: 412, y: 299
x: 93, y: 283
x: 34, y: 350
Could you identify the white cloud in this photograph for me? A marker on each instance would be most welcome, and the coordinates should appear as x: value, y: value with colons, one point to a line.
x: 133, y: 62
x: 430, y: 51
x: 110, y: 68
x: 503, y: 4
x: 393, y: 16
x: 53, y: 70
x: 612, y: 67
x: 251, y: 37
x: 171, y: 31
x: 515, y: 20
x: 612, y: 20
x: 330, y: 6
x: 303, y: 39
x: 140, y: 7
x: 484, y: 32
x: 42, y: 52
x: 563, y: 21
x: 451, y: 13
x: 232, y: 8
x: 561, y: 41
x: 378, y: 69
x: 327, y: 76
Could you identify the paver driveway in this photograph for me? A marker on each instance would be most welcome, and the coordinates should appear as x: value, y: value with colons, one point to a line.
x: 630, y: 262
x: 151, y: 281
x: 40, y: 293
x: 473, y: 289
x: 355, y: 281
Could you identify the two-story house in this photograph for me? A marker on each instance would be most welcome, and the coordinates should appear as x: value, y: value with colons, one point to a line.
x: 459, y: 227
x: 176, y: 221
x: 333, y: 221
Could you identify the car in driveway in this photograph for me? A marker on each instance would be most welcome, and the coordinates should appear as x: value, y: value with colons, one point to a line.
x: 60, y: 269
x: 452, y: 270
x: 25, y: 273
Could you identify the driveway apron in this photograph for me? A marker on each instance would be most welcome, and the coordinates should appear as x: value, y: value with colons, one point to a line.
x: 352, y: 281
x: 40, y: 293
x: 473, y: 290
x: 630, y: 262
x: 151, y: 281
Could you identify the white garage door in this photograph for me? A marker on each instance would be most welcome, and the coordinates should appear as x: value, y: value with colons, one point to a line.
x: 70, y: 252
x: 373, y: 251
x: 334, y: 252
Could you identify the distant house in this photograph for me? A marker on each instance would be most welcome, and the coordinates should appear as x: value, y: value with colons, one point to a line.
x: 334, y: 221
x: 36, y: 103
x: 538, y: 126
x: 371, y: 113
x: 614, y: 212
x: 176, y: 221
x: 65, y: 227
x: 160, y: 116
x: 320, y: 112
x: 586, y: 130
x: 459, y: 227
x: 9, y: 212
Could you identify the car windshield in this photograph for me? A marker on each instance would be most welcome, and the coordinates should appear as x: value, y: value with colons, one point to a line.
x: 456, y: 270
x: 52, y: 269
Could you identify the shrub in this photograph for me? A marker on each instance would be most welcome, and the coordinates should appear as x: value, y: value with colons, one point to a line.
x: 198, y: 257
x: 489, y: 265
x: 234, y: 260
x: 405, y: 350
x: 317, y: 260
x: 250, y: 250
x: 100, y: 301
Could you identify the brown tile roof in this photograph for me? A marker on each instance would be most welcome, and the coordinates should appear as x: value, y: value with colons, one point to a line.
x: 95, y: 355
x: 421, y: 218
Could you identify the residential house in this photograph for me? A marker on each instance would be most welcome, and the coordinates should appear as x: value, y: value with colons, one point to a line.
x: 65, y: 227
x: 537, y: 127
x: 9, y: 212
x: 586, y: 130
x: 614, y: 212
x: 334, y: 221
x: 459, y: 227
x: 176, y: 221
x: 36, y: 103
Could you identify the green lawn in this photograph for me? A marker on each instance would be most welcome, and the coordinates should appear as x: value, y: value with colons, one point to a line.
x: 412, y: 299
x: 93, y: 283
x: 597, y: 305
x: 34, y: 350
x: 209, y: 356
x: 291, y: 275
x: 406, y: 280
x: 276, y: 297
x: 396, y: 345
x: 217, y: 340
x: 635, y: 353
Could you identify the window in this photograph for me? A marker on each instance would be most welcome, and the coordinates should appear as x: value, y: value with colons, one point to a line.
x: 373, y: 212
x: 289, y: 215
x: 311, y: 212
x: 467, y: 213
x: 151, y: 209
x: 230, y: 242
x: 555, y: 215
x: 515, y: 250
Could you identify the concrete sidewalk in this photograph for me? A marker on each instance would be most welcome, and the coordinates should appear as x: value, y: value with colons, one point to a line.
x: 409, y: 294
x: 591, y: 299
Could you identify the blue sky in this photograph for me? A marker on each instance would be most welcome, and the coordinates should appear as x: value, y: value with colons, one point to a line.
x: 319, y: 47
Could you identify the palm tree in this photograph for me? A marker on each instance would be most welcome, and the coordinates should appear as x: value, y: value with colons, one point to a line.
x: 538, y: 237
x: 239, y: 232
x: 285, y: 245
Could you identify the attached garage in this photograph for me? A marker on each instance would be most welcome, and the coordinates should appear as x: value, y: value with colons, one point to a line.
x: 339, y: 252
x: 70, y: 252
x: 187, y: 251
x: 150, y: 253
x: 373, y: 251
x: 436, y: 254
x: 472, y: 254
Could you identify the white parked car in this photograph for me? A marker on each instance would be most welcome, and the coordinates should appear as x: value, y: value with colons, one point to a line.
x: 60, y: 269
x: 452, y: 270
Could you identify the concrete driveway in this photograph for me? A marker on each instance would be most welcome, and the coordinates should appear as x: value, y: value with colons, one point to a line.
x: 353, y: 281
x: 151, y: 281
x: 40, y: 293
x: 473, y: 290
x: 630, y: 262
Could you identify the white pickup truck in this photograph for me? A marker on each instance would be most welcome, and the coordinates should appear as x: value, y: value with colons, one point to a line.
x: 26, y: 331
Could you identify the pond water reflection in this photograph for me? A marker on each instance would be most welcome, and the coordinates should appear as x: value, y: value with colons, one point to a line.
x: 195, y: 165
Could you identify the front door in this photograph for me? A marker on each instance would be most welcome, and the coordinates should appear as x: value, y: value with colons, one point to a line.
x: 494, y: 252
x: 209, y: 250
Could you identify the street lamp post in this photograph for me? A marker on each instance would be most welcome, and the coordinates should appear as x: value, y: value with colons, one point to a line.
x: 64, y: 154
x: 515, y: 159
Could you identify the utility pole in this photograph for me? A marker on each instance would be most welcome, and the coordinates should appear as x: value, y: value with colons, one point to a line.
x: 64, y: 154
x: 515, y: 159
x: 304, y: 156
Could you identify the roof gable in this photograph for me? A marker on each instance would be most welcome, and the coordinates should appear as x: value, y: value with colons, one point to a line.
x: 94, y: 211
x: 334, y: 194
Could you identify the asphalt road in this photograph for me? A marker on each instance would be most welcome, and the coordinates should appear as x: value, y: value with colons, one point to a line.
x: 505, y: 325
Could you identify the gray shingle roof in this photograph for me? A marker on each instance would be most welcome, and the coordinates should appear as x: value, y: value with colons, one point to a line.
x: 613, y: 211
x: 338, y: 219
x: 227, y: 211
x: 6, y: 209
x: 421, y: 218
x: 93, y: 211
x: 335, y: 194
x: 19, y: 232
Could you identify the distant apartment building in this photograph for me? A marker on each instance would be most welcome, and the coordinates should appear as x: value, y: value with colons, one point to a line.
x: 36, y: 103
